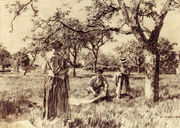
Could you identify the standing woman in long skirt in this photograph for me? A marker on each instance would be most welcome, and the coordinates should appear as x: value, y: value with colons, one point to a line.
x: 56, y: 85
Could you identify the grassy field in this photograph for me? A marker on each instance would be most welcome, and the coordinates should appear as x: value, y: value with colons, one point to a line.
x: 21, y: 99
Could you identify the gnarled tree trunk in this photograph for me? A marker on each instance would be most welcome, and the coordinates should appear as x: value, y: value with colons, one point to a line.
x: 75, y: 63
x: 152, y: 75
x: 95, y: 65
x: 95, y: 53
x: 74, y: 71
x: 17, y: 68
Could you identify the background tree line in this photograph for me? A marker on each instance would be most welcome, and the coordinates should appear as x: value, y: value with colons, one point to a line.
x: 132, y: 51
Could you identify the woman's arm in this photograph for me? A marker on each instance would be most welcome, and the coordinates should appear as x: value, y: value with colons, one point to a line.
x: 61, y: 67
x: 63, y: 71
x: 48, y: 70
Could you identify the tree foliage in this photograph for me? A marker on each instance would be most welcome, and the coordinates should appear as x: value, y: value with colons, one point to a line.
x: 21, y: 59
x: 73, y: 43
x: 5, y: 58
x: 109, y: 60
x: 168, y: 57
x: 133, y: 51
x: 95, y: 40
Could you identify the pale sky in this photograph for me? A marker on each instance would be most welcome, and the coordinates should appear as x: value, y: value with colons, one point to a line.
x: 22, y: 25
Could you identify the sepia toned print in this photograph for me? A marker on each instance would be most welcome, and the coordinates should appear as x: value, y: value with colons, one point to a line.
x: 89, y: 64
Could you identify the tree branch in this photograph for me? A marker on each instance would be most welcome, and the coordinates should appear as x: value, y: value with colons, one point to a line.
x: 110, y: 9
x: 91, y: 49
x: 71, y: 52
x: 159, y: 22
x: 58, y: 29
x: 124, y: 11
x: 18, y: 13
x: 75, y: 30
x: 139, y: 29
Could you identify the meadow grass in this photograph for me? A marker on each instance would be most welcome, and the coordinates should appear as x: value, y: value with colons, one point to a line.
x: 22, y: 97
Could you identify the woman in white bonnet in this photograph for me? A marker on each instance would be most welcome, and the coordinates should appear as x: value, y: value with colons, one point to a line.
x: 122, y: 76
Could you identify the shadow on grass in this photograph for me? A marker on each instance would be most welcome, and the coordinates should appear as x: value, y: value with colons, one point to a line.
x: 15, y: 107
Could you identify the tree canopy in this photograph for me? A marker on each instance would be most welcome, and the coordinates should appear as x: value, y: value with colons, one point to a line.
x: 5, y: 57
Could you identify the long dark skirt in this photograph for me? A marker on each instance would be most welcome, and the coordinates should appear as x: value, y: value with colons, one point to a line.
x: 125, y: 78
x: 56, y: 103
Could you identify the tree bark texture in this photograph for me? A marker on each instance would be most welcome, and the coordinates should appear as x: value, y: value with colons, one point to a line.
x: 74, y: 71
x: 152, y: 75
x: 95, y: 65
x: 74, y: 65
